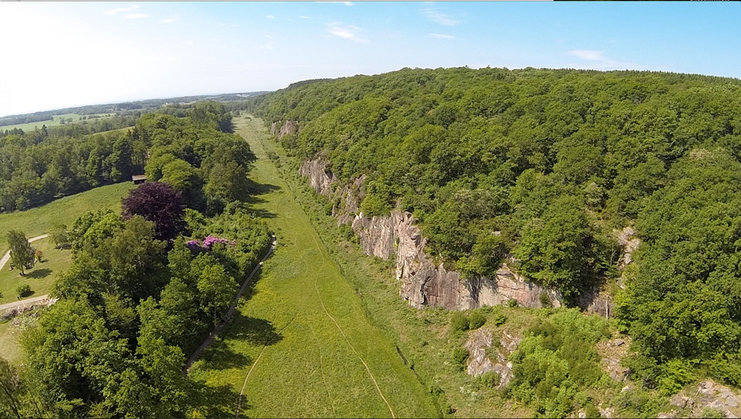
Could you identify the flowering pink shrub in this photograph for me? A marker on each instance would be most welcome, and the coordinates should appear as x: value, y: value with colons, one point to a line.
x: 208, y: 242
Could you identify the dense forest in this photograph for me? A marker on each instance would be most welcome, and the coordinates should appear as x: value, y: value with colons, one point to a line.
x: 41, y: 165
x: 146, y: 285
x: 556, y: 161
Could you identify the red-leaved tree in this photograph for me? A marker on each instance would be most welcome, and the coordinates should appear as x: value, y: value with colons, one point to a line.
x: 160, y: 203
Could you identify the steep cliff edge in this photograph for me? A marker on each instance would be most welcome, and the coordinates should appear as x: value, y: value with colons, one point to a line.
x: 423, y: 283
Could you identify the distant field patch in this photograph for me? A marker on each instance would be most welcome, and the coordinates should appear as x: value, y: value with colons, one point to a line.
x: 67, y: 118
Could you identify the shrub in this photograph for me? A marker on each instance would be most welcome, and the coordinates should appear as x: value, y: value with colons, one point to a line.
x: 476, y: 320
x: 460, y: 355
x: 711, y: 413
x: 499, y: 319
x: 489, y: 379
x: 545, y: 300
x: 512, y: 302
x: 458, y: 322
x: 23, y: 291
x: 591, y: 411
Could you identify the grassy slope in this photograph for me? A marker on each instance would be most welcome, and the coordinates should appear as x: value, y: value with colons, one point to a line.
x: 40, y: 220
x: 307, y: 368
x: 41, y: 277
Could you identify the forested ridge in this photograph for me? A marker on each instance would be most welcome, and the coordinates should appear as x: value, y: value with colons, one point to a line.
x: 556, y: 160
x: 146, y: 285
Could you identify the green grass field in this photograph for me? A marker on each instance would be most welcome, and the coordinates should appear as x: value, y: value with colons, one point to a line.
x: 300, y: 362
x: 40, y: 277
x: 56, y: 120
x: 40, y: 220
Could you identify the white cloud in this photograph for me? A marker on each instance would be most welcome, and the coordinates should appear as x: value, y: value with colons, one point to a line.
x: 348, y: 3
x: 345, y: 31
x: 304, y: 17
x: 136, y: 16
x: 597, y: 60
x: 270, y: 17
x: 588, y: 54
x: 169, y: 20
x: 439, y: 17
x: 122, y: 9
x: 441, y: 36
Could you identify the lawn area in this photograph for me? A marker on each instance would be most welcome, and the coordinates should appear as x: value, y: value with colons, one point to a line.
x: 303, y: 335
x: 40, y: 220
x: 40, y: 277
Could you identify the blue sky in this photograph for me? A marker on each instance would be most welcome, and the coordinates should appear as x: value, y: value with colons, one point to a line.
x: 68, y: 54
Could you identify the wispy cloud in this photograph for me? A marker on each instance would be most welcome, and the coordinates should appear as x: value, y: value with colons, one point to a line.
x: 441, y: 36
x: 136, y: 16
x: 348, y: 3
x: 122, y: 9
x: 588, y: 54
x: 598, y: 59
x: 169, y: 20
x: 439, y: 17
x: 270, y: 17
x: 304, y: 17
x: 345, y: 31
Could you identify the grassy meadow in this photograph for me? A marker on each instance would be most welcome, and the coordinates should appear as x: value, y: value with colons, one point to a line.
x: 298, y: 344
x: 40, y: 278
x: 40, y: 220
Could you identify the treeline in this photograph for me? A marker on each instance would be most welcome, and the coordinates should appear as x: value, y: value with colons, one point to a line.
x: 41, y: 165
x: 544, y: 165
x: 145, y: 288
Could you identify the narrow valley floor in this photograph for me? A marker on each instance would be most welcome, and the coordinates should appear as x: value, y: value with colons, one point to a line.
x: 301, y: 345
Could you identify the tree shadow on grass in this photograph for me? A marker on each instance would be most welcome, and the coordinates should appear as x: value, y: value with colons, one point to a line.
x: 220, y: 357
x: 217, y: 401
x: 258, y: 332
x: 39, y: 273
x: 257, y: 189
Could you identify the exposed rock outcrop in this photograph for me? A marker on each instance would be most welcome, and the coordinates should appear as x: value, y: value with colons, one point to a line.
x: 283, y: 128
x: 628, y: 240
x: 611, y: 352
x: 479, y: 345
x: 425, y: 283
x: 709, y: 394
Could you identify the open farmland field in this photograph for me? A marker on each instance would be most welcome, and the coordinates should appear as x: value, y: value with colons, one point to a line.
x: 68, y: 118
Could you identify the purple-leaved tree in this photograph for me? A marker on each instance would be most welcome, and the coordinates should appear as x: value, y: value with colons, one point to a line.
x: 160, y: 203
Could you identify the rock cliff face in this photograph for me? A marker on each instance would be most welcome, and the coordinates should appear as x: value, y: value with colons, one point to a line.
x: 424, y: 283
x: 281, y: 129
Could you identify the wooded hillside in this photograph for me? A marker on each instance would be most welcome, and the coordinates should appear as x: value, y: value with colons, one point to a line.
x: 556, y: 160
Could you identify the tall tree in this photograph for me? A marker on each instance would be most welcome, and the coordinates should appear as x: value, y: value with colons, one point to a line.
x: 158, y: 202
x: 21, y: 253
